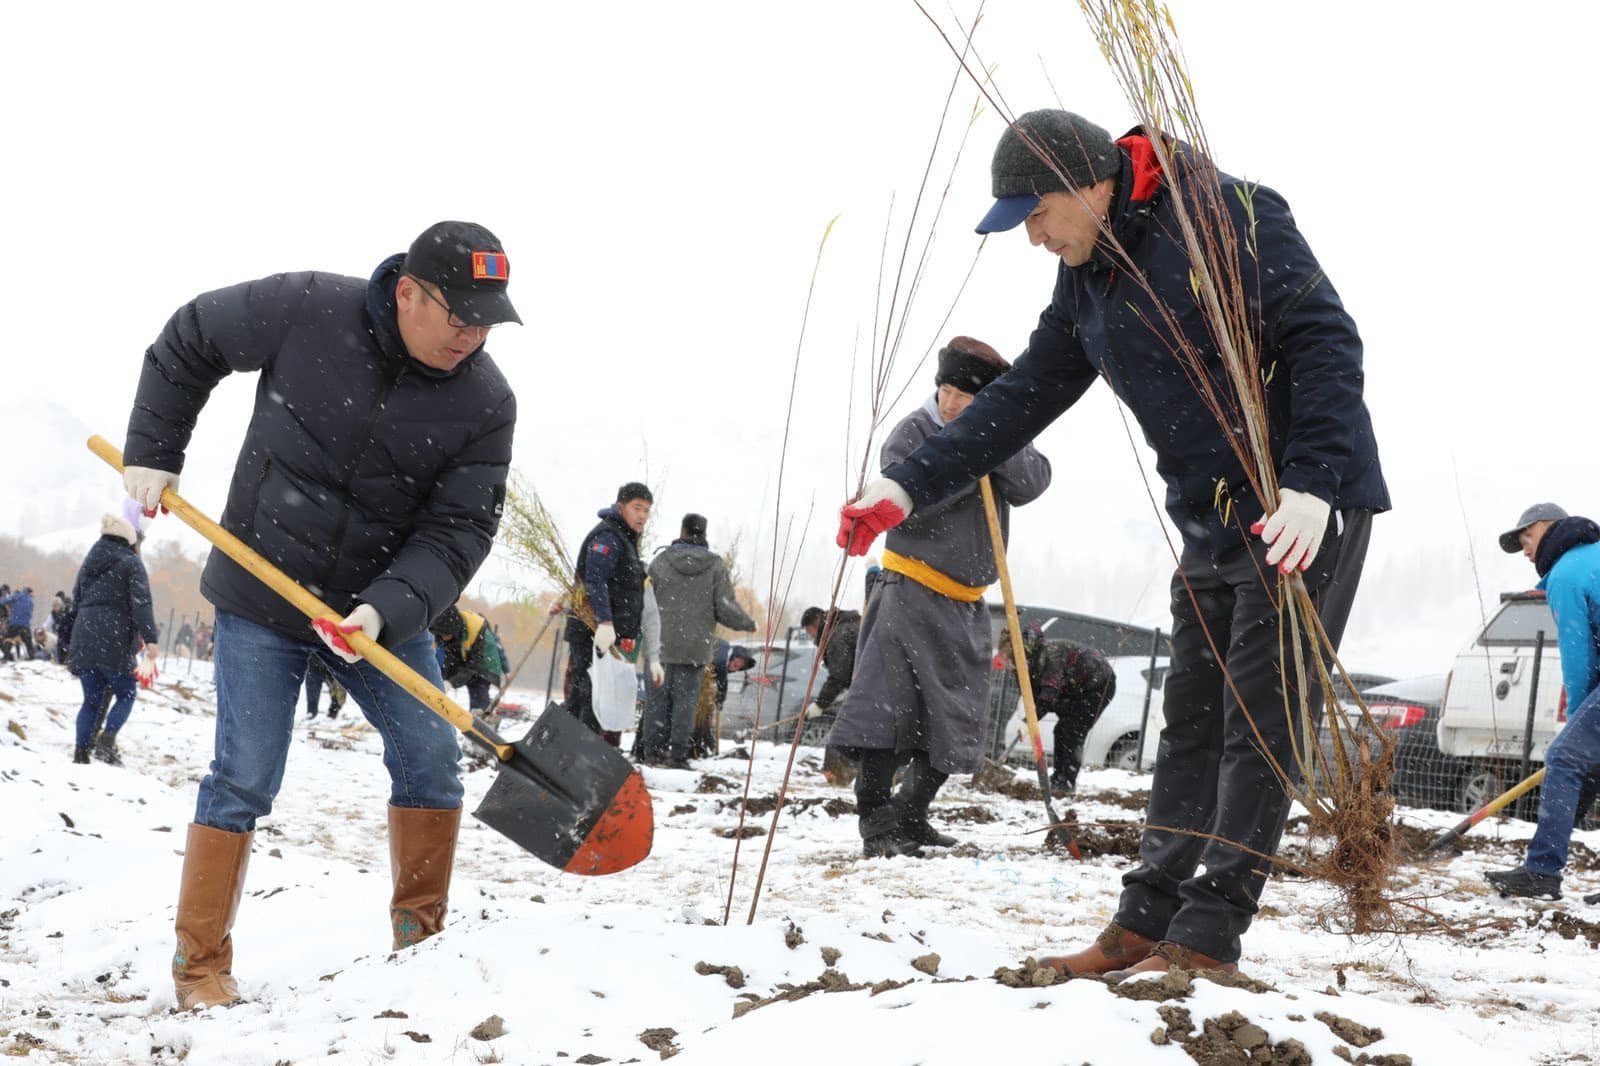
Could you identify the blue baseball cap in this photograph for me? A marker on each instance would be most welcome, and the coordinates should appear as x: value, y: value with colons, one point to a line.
x: 1007, y: 213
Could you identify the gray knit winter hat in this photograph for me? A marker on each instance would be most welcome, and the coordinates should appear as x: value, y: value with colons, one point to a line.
x: 1031, y: 152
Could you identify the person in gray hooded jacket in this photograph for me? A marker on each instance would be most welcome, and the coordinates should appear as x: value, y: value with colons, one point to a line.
x: 695, y: 595
x: 919, y: 698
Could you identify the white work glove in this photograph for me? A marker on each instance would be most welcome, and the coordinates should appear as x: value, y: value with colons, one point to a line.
x: 605, y: 635
x: 147, y: 671
x: 365, y: 618
x: 146, y: 484
x: 883, y: 504
x: 1294, y: 530
x: 658, y: 676
x: 813, y: 709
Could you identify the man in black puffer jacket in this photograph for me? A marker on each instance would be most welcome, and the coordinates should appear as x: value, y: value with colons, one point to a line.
x: 373, y: 473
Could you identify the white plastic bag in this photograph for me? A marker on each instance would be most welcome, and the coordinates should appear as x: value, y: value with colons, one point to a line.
x: 615, y: 691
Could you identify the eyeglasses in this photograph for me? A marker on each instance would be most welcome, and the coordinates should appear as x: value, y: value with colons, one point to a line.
x: 450, y: 316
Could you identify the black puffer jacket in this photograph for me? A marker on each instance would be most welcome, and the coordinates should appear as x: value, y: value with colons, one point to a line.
x: 111, y: 608
x: 365, y: 475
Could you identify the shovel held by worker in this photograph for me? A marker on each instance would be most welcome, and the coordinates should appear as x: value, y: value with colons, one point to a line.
x: 562, y: 793
x: 1060, y: 833
x: 1493, y: 807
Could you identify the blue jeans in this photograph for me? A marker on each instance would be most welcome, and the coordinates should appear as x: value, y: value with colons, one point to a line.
x: 95, y: 683
x: 1569, y: 759
x: 259, y: 672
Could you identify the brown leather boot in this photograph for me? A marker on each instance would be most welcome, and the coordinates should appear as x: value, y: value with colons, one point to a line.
x: 214, y: 863
x: 422, y: 851
x: 1169, y: 955
x: 1115, y: 948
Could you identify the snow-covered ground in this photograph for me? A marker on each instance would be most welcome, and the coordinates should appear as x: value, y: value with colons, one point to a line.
x: 597, y: 970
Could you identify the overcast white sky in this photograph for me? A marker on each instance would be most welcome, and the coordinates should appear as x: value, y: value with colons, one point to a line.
x: 661, y: 174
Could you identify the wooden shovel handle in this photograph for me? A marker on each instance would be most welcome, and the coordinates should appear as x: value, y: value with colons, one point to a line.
x: 1013, y: 624
x: 285, y: 586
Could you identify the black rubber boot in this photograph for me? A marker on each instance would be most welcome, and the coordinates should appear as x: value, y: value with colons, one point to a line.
x: 1524, y: 882
x: 882, y: 834
x: 80, y: 756
x: 922, y: 783
x: 105, y: 749
x: 884, y: 837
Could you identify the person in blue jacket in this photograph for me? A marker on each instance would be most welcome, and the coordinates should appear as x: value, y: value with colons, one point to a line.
x: 1565, y: 550
x: 1123, y: 308
x: 19, y: 622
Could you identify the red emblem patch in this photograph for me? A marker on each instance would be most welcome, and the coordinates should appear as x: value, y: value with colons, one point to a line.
x: 490, y: 266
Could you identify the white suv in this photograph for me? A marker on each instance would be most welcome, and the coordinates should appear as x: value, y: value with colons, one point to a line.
x: 1486, y: 699
x: 1114, y: 740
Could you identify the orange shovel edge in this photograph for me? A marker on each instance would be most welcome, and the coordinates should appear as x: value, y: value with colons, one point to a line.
x: 620, y: 837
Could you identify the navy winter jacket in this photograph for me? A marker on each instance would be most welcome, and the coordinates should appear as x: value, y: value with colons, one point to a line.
x: 365, y: 475
x: 111, y: 609
x: 1101, y: 323
x: 612, y: 576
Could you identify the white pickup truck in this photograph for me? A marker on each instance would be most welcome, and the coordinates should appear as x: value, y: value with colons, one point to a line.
x: 1486, y: 700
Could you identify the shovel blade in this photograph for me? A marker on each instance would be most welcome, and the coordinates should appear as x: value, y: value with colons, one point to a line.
x: 570, y: 799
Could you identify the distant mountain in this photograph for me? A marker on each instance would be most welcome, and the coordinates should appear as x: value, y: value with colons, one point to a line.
x: 50, y: 496
x: 61, y: 491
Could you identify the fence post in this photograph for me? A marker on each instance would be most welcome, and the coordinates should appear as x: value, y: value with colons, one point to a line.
x: 166, y: 637
x: 1533, y: 703
x: 777, y: 715
x: 1149, y: 689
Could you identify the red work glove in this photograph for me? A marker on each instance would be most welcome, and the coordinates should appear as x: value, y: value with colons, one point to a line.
x: 882, y: 506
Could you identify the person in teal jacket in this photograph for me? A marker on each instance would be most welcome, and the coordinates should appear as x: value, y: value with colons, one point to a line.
x: 1566, y: 552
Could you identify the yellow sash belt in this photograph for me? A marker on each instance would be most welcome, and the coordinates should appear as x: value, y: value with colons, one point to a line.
x: 925, y: 575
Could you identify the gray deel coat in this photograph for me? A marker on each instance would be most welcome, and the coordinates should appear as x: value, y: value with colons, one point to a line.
x: 922, y: 659
x: 695, y: 595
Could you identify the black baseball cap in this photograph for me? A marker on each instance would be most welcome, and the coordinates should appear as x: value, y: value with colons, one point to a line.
x: 470, y: 266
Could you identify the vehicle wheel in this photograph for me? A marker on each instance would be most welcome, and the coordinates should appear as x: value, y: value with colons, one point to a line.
x: 1124, y: 753
x: 1478, y: 785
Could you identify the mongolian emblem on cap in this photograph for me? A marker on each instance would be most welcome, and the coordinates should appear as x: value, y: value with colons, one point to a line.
x: 491, y: 266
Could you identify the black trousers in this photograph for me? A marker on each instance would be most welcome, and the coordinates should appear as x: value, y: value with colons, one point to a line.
x: 881, y: 812
x: 578, y: 689
x: 1211, y: 776
x: 1074, y: 720
x: 22, y: 633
